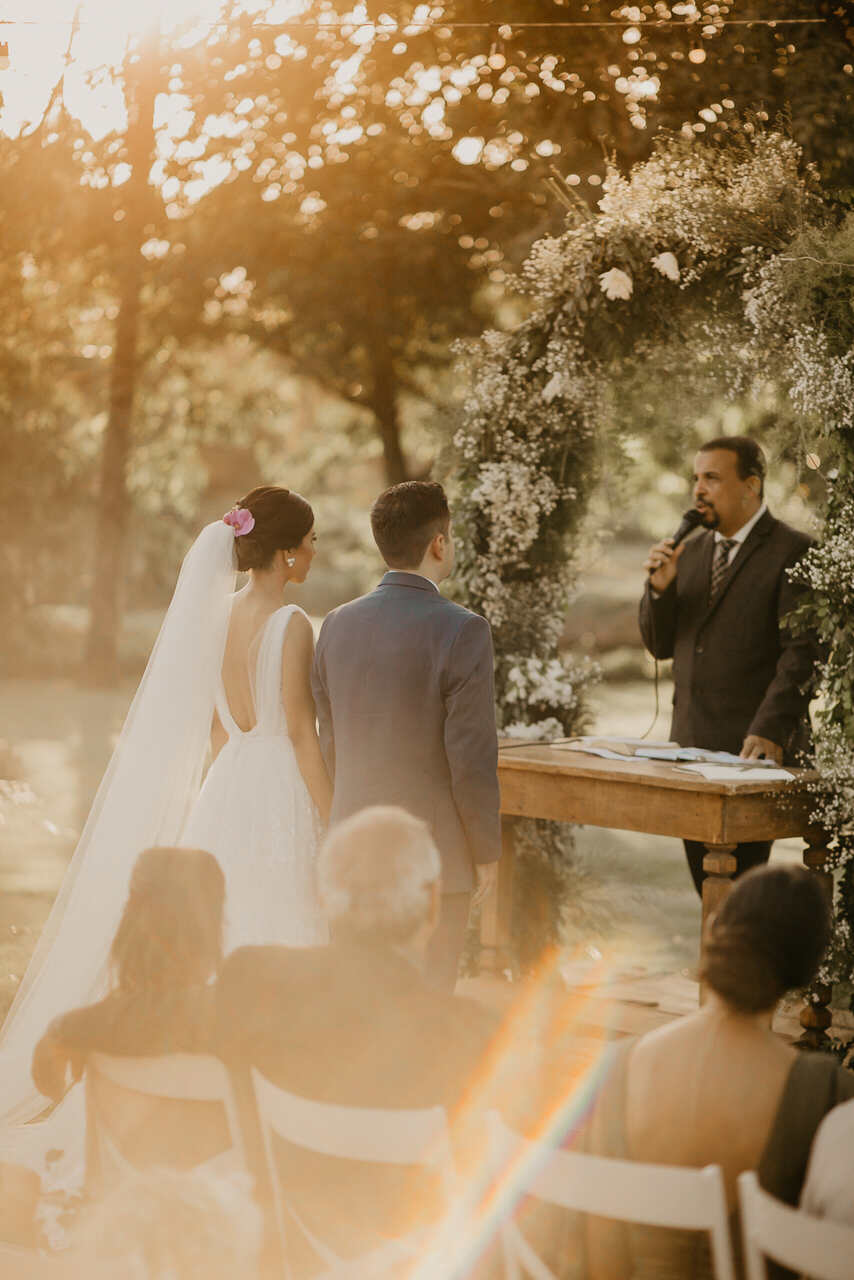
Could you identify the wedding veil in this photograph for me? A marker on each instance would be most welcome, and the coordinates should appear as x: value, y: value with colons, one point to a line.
x: 144, y: 799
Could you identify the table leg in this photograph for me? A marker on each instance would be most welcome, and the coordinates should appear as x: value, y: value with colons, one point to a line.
x: 720, y: 866
x: 496, y: 914
x: 815, y: 1015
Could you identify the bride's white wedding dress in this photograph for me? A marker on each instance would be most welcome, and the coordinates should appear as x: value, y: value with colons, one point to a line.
x: 254, y: 813
x: 256, y: 816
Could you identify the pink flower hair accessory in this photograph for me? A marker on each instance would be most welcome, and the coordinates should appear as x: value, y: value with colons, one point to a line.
x: 240, y: 520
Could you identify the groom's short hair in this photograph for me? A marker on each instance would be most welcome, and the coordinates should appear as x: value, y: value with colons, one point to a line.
x: 406, y: 518
x: 376, y: 873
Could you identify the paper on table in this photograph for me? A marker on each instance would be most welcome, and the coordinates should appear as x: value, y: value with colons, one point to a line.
x: 701, y: 755
x: 726, y: 773
x: 589, y: 750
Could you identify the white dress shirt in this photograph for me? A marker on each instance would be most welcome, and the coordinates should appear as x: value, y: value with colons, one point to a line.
x: 738, y: 538
x: 829, y: 1188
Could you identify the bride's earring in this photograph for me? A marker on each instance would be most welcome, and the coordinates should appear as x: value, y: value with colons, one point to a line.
x: 290, y: 561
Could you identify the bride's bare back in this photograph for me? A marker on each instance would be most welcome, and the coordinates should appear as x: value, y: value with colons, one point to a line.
x: 250, y: 613
x: 249, y: 617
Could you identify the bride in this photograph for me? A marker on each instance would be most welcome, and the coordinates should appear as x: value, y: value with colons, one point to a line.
x: 229, y: 673
x: 259, y: 806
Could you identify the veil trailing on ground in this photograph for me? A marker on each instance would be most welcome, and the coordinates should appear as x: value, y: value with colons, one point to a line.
x: 144, y: 799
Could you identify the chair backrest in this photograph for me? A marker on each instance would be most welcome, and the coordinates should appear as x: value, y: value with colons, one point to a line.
x: 370, y: 1135
x: 182, y: 1077
x: 626, y: 1190
x: 810, y: 1246
x: 187, y: 1077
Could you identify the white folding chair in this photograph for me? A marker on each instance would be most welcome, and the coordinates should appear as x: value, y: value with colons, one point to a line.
x: 648, y: 1194
x: 367, y: 1134
x: 185, y: 1077
x: 810, y: 1246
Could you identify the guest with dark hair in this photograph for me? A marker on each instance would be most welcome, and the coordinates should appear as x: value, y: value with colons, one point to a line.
x: 718, y: 1086
x: 167, y: 950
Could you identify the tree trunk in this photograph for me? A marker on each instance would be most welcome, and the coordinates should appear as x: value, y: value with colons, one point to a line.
x: 101, y: 661
x: 385, y: 407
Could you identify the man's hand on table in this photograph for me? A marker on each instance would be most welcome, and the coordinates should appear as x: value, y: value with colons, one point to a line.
x: 756, y: 748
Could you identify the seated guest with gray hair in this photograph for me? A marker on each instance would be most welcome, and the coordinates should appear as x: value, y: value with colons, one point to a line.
x: 355, y: 1023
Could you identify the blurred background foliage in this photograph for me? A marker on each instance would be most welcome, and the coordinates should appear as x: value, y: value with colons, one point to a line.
x: 260, y: 269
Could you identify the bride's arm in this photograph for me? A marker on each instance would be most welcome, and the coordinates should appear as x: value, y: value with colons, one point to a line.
x: 297, y: 654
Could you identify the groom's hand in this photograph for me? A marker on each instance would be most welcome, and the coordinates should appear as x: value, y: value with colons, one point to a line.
x: 487, y: 879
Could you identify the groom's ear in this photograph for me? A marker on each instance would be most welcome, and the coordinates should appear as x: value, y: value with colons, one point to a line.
x: 437, y: 545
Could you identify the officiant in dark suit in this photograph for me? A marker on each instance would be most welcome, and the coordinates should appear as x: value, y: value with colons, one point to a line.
x: 717, y: 605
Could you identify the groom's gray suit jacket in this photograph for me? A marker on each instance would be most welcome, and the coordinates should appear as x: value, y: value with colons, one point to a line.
x: 403, y: 684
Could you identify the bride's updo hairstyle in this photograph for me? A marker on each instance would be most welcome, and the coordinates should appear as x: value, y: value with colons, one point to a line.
x: 768, y: 937
x: 282, y: 519
x: 170, y: 933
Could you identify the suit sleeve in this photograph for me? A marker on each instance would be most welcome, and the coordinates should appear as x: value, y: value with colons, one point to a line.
x: 471, y: 741
x: 657, y: 621
x: 322, y: 706
x: 787, y: 697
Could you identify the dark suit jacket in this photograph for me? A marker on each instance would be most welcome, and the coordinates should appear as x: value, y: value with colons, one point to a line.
x: 737, y: 668
x: 358, y: 1026
x: 403, y: 684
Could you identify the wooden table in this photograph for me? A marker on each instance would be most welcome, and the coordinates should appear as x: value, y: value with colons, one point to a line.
x: 651, y: 796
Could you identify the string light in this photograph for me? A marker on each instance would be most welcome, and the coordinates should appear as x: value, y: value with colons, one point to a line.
x: 504, y: 26
x: 633, y: 31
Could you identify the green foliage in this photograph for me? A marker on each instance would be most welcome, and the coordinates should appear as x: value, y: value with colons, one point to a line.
x: 721, y: 252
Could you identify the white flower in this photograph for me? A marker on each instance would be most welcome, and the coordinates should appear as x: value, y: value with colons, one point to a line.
x: 616, y: 284
x: 549, y: 728
x: 668, y: 266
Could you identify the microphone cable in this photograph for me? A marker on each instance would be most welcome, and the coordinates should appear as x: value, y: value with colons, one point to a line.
x: 655, y: 677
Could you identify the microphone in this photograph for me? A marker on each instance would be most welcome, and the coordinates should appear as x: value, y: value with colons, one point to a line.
x: 687, y: 524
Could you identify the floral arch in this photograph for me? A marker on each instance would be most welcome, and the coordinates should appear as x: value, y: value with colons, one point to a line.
x: 724, y: 258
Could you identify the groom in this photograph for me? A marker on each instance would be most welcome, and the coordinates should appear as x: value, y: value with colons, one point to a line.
x: 403, y: 684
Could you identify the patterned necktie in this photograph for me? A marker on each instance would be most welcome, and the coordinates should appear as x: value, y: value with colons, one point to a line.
x: 720, y: 564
